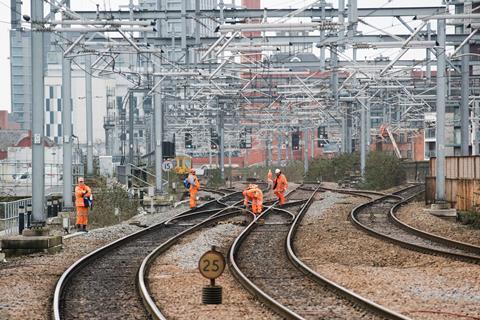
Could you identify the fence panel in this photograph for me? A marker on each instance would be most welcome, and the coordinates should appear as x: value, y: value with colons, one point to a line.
x: 9, y: 215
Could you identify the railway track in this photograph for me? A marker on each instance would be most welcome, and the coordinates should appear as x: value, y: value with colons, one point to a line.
x: 102, y: 285
x: 143, y: 273
x: 378, y: 219
x: 261, y: 259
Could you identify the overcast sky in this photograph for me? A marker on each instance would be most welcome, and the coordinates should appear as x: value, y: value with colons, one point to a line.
x: 391, y: 24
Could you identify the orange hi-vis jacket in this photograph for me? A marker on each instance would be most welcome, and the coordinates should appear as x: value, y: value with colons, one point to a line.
x: 280, y: 184
x: 194, y: 186
x: 269, y: 175
x: 80, y: 192
x: 255, y: 195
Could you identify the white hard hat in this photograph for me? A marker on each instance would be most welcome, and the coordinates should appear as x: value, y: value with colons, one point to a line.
x: 277, y: 170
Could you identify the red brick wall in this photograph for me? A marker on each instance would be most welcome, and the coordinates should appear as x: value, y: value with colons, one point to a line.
x: 419, y: 146
x: 5, y: 124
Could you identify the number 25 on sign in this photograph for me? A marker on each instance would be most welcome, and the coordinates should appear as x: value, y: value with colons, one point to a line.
x: 211, y: 264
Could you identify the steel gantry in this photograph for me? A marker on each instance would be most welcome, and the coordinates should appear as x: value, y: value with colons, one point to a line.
x: 271, y: 71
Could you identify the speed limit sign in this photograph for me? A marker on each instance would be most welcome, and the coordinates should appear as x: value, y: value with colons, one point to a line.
x: 212, y: 264
x: 167, y: 166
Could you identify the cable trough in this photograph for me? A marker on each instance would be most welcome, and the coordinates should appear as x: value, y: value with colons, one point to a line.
x: 261, y: 260
x: 378, y: 218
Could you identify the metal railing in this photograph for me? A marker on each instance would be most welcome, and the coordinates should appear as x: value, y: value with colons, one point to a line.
x: 10, y: 219
x: 9, y: 215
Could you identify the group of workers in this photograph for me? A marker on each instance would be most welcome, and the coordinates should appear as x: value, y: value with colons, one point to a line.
x: 254, y: 194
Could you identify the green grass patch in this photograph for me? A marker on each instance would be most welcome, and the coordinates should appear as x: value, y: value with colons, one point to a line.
x: 106, y: 199
x: 470, y: 218
x: 382, y: 170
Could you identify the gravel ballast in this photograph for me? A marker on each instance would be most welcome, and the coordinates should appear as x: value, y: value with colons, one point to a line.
x: 27, y: 283
x: 418, y: 285
x: 176, y: 283
x: 414, y: 215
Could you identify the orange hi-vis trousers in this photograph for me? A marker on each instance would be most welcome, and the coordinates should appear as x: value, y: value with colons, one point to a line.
x: 193, y: 197
x: 257, y: 206
x: 82, y: 216
x: 280, y: 195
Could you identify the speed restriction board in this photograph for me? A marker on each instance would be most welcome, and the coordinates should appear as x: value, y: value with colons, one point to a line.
x: 211, y: 264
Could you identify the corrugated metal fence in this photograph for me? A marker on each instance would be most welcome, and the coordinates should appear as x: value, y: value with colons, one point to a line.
x: 462, y: 182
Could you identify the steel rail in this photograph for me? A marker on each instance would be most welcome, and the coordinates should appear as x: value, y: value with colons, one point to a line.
x: 447, y: 241
x: 342, y: 291
x: 266, y: 298
x: 247, y: 283
x: 421, y: 234
x: 89, y: 258
x: 143, y: 272
x: 278, y: 307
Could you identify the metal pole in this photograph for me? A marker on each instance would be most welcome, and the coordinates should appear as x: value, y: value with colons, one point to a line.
x: 312, y: 139
x: 287, y: 146
x: 197, y: 31
x: 305, y: 151
x: 464, y: 105
x: 344, y: 133
x: 368, y: 127
x: 341, y: 21
x: 279, y: 149
x: 130, y: 126
x: 352, y: 17
x: 230, y: 164
x: 38, y: 114
x: 158, y: 114
x: 440, y: 125
x: 474, y: 129
x: 334, y: 84
x: 291, y: 147
x: 363, y: 137
x: 348, y: 144
x: 183, y: 39
x: 222, y: 143
x: 209, y: 153
x: 67, y: 131
x: 322, y: 37
x: 267, y: 150
x: 270, y: 148
x: 428, y: 57
x: 88, y: 103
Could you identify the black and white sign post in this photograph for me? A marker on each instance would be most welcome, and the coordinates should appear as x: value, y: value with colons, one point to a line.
x: 211, y: 265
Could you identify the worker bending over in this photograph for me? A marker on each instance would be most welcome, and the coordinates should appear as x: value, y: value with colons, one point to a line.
x: 194, y: 186
x: 83, y: 201
x: 255, y: 196
x: 280, y: 185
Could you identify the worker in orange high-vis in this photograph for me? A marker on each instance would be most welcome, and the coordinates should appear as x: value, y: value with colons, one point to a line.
x: 269, y: 179
x: 280, y: 185
x: 83, y: 201
x: 194, y: 186
x: 255, y: 195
